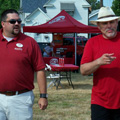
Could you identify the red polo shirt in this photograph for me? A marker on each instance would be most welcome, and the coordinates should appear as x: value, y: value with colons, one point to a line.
x: 19, y: 59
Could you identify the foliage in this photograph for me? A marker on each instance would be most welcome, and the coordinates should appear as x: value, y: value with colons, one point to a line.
x: 116, y: 7
x: 7, y: 4
x: 94, y: 4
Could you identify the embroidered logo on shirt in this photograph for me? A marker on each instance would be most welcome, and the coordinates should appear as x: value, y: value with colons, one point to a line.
x: 19, y: 46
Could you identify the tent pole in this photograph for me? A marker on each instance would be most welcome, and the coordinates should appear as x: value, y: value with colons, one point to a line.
x: 75, y: 48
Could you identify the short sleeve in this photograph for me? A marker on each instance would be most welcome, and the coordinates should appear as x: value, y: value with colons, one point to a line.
x: 37, y: 59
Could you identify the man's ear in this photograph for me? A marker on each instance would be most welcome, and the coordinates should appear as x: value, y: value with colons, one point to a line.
x: 2, y: 23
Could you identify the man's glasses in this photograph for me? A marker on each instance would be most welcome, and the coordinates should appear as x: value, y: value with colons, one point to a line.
x: 13, y: 21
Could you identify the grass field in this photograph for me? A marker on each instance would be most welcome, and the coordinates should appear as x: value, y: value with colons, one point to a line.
x: 66, y: 103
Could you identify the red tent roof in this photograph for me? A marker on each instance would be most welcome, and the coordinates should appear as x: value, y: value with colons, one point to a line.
x: 61, y: 23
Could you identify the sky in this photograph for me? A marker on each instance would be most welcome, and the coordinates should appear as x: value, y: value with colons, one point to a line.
x: 107, y: 3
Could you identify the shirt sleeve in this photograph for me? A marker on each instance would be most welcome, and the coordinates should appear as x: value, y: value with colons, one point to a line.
x: 37, y: 59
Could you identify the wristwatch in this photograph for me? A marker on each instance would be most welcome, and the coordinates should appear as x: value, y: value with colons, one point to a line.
x: 44, y: 95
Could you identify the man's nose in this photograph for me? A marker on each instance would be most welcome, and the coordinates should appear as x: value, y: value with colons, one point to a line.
x: 109, y: 24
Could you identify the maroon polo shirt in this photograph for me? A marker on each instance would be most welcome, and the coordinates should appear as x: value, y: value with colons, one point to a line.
x: 19, y: 59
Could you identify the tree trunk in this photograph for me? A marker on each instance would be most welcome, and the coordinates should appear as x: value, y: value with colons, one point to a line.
x: 101, y: 3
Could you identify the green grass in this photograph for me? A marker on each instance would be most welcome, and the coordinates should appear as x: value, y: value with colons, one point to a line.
x: 66, y: 103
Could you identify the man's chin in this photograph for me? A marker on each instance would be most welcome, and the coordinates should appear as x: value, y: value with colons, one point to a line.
x: 111, y: 35
x: 16, y: 32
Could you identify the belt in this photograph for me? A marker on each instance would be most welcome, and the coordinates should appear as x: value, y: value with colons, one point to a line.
x: 10, y: 93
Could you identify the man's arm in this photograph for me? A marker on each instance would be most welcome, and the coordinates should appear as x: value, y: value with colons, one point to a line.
x: 45, y: 51
x: 42, y: 84
x: 91, y: 67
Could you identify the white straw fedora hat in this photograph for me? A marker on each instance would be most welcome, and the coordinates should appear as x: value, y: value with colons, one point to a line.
x: 105, y: 14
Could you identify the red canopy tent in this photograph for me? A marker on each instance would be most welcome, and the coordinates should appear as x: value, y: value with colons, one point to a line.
x: 61, y: 23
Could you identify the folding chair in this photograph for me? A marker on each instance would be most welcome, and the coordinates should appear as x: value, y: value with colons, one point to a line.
x: 54, y: 77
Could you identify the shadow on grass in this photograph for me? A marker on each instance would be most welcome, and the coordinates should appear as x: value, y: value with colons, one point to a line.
x: 82, y: 86
x: 76, y: 86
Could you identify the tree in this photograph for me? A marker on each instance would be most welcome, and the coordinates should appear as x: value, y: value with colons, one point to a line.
x: 94, y: 4
x: 116, y: 7
x: 7, y: 4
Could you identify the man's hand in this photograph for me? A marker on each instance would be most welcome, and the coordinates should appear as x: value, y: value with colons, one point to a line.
x: 91, y: 67
x: 106, y: 59
x: 43, y: 103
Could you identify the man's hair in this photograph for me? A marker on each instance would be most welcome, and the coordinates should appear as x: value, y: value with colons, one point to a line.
x: 4, y: 13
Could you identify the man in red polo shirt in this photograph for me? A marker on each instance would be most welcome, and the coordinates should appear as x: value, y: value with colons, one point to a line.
x: 102, y: 58
x: 20, y: 57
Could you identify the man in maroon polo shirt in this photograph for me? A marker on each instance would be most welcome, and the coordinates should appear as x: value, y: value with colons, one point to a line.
x: 20, y: 57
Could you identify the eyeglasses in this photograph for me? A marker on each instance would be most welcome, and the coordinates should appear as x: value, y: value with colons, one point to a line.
x: 13, y: 21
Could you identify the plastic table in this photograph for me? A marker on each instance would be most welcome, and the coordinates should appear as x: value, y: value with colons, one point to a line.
x: 67, y: 69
